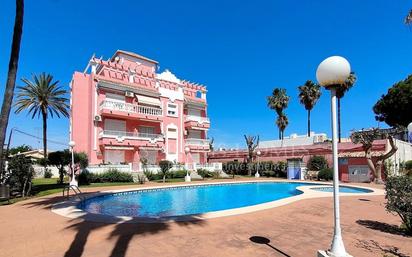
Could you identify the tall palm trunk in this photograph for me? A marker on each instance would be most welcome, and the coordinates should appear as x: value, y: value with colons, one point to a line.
x: 44, y: 116
x: 11, y: 76
x: 308, y: 123
x: 339, y: 133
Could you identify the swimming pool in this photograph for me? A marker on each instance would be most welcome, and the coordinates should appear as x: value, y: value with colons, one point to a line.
x: 189, y: 200
x: 343, y: 189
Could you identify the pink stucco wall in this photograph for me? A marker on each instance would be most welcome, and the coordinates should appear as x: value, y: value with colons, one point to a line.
x: 87, y: 96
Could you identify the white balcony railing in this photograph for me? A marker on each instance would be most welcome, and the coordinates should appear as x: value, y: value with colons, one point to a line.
x: 150, y: 110
x: 196, y: 141
x: 197, y: 118
x: 131, y: 135
x: 118, y: 106
x: 127, y: 107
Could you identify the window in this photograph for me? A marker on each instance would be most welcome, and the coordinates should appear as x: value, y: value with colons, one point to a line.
x: 172, y: 109
x: 198, y: 94
x: 172, y: 133
x: 115, y: 97
x: 146, y: 131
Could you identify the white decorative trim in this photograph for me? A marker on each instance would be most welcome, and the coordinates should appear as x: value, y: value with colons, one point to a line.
x: 168, y: 76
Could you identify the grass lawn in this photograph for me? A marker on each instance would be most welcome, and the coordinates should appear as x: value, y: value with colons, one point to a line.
x: 48, y: 186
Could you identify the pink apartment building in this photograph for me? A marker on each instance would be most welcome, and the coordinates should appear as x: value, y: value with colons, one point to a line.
x: 122, y: 110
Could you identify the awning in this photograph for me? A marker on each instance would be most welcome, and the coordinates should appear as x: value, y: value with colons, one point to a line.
x: 150, y: 148
x: 119, y: 148
x: 148, y: 100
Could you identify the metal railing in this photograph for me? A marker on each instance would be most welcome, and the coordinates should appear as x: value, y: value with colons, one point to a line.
x: 118, y: 106
x: 150, y: 110
x: 197, y: 118
x: 197, y: 141
x: 127, y: 107
x: 132, y: 135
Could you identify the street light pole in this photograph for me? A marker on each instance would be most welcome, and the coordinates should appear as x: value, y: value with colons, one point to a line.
x: 257, y: 175
x: 332, y: 73
x: 73, y: 181
x: 187, y: 177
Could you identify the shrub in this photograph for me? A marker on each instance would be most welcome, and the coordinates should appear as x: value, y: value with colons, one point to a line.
x: 21, y: 173
x: 112, y: 175
x: 235, y: 168
x: 48, y: 174
x: 317, y: 163
x: 141, y: 178
x: 178, y: 174
x: 408, y: 165
x: 399, y: 199
x: 326, y: 174
x: 165, y: 166
x: 149, y: 175
x: 84, y: 177
x: 204, y: 173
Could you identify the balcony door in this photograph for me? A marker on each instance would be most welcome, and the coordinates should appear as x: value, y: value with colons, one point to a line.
x: 112, y: 125
x: 114, y: 156
x: 195, y: 134
x: 194, y: 112
x: 115, y: 97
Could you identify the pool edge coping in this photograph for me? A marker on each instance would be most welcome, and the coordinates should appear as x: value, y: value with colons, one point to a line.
x: 70, y: 210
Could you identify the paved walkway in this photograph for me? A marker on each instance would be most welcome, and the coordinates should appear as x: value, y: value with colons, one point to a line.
x: 29, y: 228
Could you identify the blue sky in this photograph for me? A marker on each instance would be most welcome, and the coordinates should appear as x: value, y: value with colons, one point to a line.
x: 240, y: 51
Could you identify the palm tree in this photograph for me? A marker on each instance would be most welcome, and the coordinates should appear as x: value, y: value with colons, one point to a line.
x: 278, y: 101
x: 309, y: 94
x: 340, y: 92
x: 42, y: 96
x: 282, y: 122
x: 11, y: 77
x: 408, y: 18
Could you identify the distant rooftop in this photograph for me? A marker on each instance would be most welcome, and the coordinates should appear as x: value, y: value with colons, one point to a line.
x: 133, y: 55
x: 295, y: 140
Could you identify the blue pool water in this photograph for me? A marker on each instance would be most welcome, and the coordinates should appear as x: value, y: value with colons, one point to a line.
x: 343, y: 189
x: 154, y: 203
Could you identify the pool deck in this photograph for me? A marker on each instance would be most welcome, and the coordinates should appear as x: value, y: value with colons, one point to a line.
x: 299, y: 228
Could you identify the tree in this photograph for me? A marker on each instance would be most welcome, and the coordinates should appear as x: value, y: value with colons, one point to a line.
x: 21, y: 173
x: 282, y: 122
x: 165, y: 166
x: 60, y: 159
x: 399, y: 199
x: 395, y: 107
x: 42, y: 96
x: 11, y: 78
x: 20, y: 149
x: 309, y: 94
x: 340, y: 93
x: 408, y: 18
x: 366, y: 138
x: 317, y: 163
x: 252, y: 142
x: 279, y: 101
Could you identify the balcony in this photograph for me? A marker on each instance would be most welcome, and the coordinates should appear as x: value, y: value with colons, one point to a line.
x: 197, y: 122
x: 120, y: 109
x: 124, y: 138
x: 198, y: 144
x: 130, y: 135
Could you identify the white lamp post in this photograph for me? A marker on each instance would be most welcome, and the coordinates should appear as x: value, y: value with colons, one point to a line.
x: 257, y: 175
x: 331, y: 74
x: 410, y: 132
x: 73, y: 181
x: 187, y: 177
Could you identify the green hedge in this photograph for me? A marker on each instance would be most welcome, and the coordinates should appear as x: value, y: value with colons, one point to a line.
x: 326, y: 174
x: 112, y: 175
x: 266, y: 168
